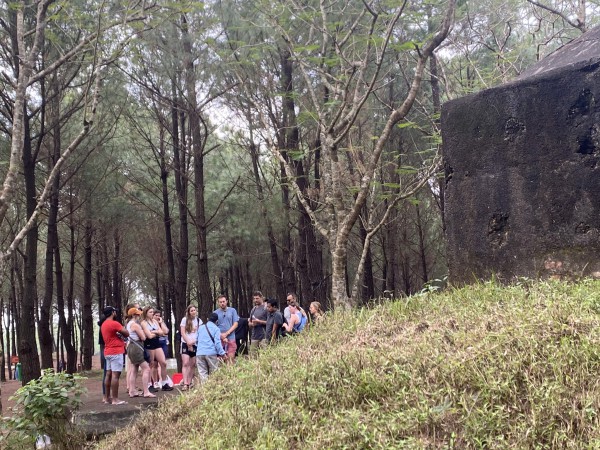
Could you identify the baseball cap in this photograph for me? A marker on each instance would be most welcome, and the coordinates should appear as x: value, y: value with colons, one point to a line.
x: 108, y: 310
x: 132, y: 311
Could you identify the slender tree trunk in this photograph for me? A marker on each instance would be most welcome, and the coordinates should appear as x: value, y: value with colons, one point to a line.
x: 116, y: 274
x: 70, y: 330
x: 275, y: 264
x: 368, y: 290
x: 3, y: 350
x: 51, y: 245
x: 87, y: 319
x: 28, y: 350
x: 195, y: 120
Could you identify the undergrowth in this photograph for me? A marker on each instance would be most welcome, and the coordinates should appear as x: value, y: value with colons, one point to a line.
x: 479, y: 367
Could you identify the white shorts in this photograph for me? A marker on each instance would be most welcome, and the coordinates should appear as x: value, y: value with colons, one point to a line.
x: 114, y: 363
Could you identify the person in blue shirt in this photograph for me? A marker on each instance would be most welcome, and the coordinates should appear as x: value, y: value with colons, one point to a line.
x: 209, y: 350
x: 227, y: 322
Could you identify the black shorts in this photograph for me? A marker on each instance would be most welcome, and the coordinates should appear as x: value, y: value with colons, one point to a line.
x: 185, y: 351
x: 152, y: 344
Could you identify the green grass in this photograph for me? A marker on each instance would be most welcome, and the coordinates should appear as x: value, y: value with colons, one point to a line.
x: 479, y: 367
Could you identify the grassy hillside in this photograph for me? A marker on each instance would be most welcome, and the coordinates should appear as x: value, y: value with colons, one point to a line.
x: 479, y: 367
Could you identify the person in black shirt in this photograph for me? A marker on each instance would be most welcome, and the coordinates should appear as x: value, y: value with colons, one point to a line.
x: 275, y: 321
x: 241, y: 337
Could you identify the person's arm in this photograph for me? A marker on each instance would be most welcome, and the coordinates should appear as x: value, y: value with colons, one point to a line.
x: 232, y: 329
x: 274, y: 332
x: 139, y: 330
x: 123, y: 332
x: 147, y: 331
x: 163, y: 327
x: 218, y: 345
x: 184, y: 335
x: 289, y: 326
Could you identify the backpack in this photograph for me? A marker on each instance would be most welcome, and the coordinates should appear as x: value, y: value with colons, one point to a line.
x: 298, y: 328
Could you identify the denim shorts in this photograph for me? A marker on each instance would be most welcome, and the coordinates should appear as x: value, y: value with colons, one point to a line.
x: 114, y: 363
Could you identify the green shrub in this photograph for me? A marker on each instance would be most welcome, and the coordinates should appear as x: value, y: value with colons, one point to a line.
x: 45, y: 407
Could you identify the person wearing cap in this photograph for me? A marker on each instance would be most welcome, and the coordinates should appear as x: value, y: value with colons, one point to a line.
x: 114, y: 349
x: 136, y: 354
x: 209, y: 350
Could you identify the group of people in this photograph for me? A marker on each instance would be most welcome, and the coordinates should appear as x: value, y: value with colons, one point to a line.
x: 144, y: 338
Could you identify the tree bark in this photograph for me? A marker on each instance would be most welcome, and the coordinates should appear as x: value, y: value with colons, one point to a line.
x: 197, y: 142
x: 28, y: 350
x: 86, y: 304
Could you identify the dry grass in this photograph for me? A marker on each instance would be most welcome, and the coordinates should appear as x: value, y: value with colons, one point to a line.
x: 480, y: 367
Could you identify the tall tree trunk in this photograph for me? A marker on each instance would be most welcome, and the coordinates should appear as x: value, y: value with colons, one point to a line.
x: 275, y: 264
x: 62, y: 321
x: 195, y: 120
x: 45, y: 324
x: 180, y: 173
x: 51, y: 245
x: 3, y: 350
x: 70, y: 331
x: 116, y: 274
x: 28, y: 350
x: 87, y: 319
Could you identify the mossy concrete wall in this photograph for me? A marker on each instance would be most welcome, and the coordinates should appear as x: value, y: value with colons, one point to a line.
x: 522, y: 163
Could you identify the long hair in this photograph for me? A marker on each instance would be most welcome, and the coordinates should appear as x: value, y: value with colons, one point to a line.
x: 145, y: 313
x: 189, y: 320
x: 317, y: 307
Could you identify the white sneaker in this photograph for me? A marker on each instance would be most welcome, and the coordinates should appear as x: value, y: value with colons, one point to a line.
x: 157, y: 385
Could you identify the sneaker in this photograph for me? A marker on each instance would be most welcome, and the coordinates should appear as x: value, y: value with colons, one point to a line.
x: 166, y: 387
x: 157, y: 385
x: 152, y: 389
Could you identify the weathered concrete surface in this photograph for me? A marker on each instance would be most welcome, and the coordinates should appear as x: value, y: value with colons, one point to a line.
x: 523, y: 173
x: 109, y: 419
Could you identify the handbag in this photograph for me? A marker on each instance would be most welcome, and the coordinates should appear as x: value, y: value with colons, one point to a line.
x: 146, y: 353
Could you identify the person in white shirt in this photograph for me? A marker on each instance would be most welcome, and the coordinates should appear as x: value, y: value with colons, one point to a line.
x: 189, y: 335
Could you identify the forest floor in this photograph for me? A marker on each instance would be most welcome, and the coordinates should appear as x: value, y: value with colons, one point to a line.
x: 96, y: 417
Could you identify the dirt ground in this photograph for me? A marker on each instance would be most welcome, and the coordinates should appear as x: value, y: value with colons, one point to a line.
x: 92, y: 401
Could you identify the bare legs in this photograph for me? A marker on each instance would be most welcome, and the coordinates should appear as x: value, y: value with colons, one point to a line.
x: 188, y: 364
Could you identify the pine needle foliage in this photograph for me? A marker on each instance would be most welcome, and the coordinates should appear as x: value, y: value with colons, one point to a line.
x: 484, y: 366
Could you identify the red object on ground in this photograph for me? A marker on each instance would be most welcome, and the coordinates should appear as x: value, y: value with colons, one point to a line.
x: 177, y: 377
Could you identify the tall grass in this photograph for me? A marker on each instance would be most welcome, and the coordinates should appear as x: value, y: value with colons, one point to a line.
x: 480, y: 367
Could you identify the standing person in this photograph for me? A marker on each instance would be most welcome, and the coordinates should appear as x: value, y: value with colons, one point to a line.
x: 227, y: 322
x: 257, y: 323
x: 163, y: 341
x: 209, y: 349
x: 189, y: 334
x: 114, y: 349
x: 153, y: 330
x: 128, y: 367
x: 274, y: 321
x: 102, y: 358
x: 241, y: 337
x: 135, y: 354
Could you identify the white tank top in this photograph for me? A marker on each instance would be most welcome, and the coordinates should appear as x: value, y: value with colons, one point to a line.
x: 132, y: 334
